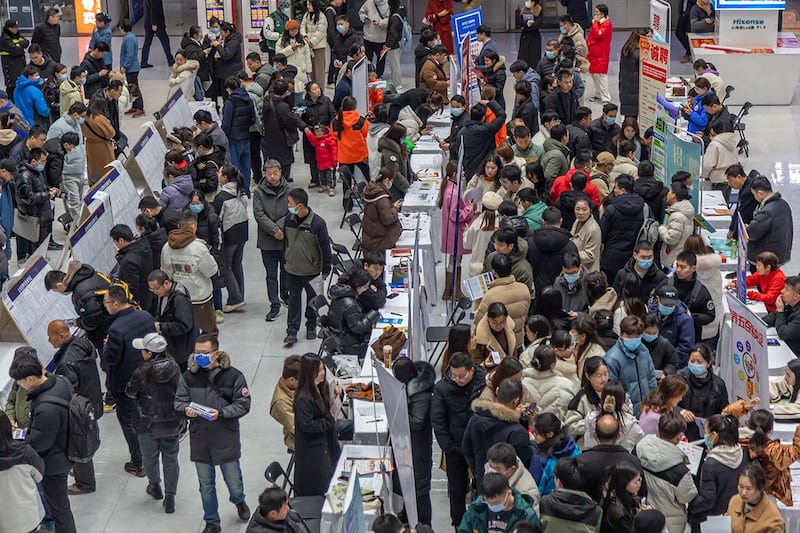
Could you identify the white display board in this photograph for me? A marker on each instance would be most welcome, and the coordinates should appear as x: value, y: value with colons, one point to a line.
x: 117, y: 185
x: 360, y: 77
x: 32, y: 307
x: 176, y: 112
x: 149, y: 152
x: 748, y: 353
x: 91, y: 243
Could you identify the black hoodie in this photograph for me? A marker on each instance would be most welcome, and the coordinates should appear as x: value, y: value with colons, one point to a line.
x: 654, y: 194
x: 620, y: 226
x: 134, y: 264
x: 153, y: 386
x: 546, y: 248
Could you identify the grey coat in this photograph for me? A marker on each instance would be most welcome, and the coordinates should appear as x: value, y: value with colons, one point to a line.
x: 270, y: 207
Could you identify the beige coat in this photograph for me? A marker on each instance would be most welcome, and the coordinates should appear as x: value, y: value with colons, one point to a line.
x: 316, y: 33
x: 281, y: 408
x: 551, y: 390
x: 299, y: 58
x: 624, y: 165
x: 484, y: 337
x: 679, y: 225
x: 763, y: 518
x: 720, y: 154
x: 183, y: 77
x: 514, y: 295
x: 589, y: 240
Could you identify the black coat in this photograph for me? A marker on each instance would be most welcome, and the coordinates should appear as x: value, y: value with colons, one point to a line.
x: 745, y: 205
x: 695, y: 295
x: 546, y: 247
x: 421, y: 53
x: 77, y: 361
x: 478, y: 139
x: 598, y: 462
x: 628, y: 283
x: 168, y: 219
x: 629, y: 83
x: 282, y: 125
x: 578, y: 140
x: 54, y: 167
x: 319, y: 112
x: 350, y: 323
x: 154, y: 13
x: 206, y: 168
x: 153, y: 386
x: 654, y: 194
x: 12, y: 55
x: 566, y: 204
x: 565, y: 104
x: 787, y: 323
x: 134, y: 264
x: 451, y: 409
x: 176, y: 320
x: 771, y: 230
x: 705, y: 397
x: 92, y: 315
x: 663, y: 355
x: 717, y: 482
x: 194, y: 50
x: 94, y: 82
x: 496, y: 77
x: 47, y: 430
x: 526, y: 110
x: 620, y: 224
x: 530, y: 41
x: 31, y: 194
x: 602, y: 136
x: 375, y: 296
x: 343, y: 42
x: 120, y: 358
x: 157, y: 239
x: 420, y: 396
x: 316, y: 446
x: 229, y: 57
x: 577, y: 10
x: 48, y: 36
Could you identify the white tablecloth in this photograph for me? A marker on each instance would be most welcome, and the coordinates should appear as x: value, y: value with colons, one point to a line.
x: 713, y: 200
x: 426, y: 246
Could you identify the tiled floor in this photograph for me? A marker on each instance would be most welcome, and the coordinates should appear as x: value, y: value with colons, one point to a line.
x: 120, y: 504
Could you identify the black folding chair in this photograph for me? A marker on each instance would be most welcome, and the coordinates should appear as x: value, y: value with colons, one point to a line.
x: 353, y: 221
x: 341, y: 261
x: 307, y: 508
x: 728, y: 90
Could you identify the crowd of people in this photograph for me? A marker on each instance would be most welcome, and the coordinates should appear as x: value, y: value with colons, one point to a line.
x: 562, y: 407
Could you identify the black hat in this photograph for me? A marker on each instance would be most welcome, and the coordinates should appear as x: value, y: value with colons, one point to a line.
x: 649, y: 521
x: 11, y: 23
x: 667, y: 295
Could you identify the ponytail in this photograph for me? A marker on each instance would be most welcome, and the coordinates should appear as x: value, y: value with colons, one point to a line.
x: 761, y: 422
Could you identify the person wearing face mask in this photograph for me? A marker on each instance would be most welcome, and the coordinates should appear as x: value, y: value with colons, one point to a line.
x: 629, y: 361
x: 498, y: 505
x: 52, y: 92
x: 12, y: 53
x: 677, y: 325
x: 707, y: 394
x: 568, y: 283
x: 209, y: 159
x: 439, y: 14
x: 71, y: 89
x: 274, y: 26
x: 547, y: 63
x: 30, y: 99
x: 74, y: 162
x: 428, y: 38
x: 661, y: 351
x: 346, y: 38
x: 502, y: 459
x: 640, y: 276
x: 375, y: 16
x: 214, y: 437
x: 33, y: 197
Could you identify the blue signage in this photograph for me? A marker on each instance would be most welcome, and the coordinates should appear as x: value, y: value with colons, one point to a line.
x: 465, y: 24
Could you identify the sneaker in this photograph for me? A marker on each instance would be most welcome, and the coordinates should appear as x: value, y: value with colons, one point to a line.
x: 134, y: 469
x: 313, y: 184
x: 75, y: 490
x: 128, y: 112
x: 243, y: 511
x: 311, y: 334
x: 594, y: 99
x: 322, y: 188
x: 137, y: 112
x: 290, y: 339
x: 285, y: 300
x: 54, y: 246
x: 332, y: 193
x: 212, y: 528
x: 146, y: 65
x: 154, y: 490
x: 220, y: 316
x: 273, y: 314
x: 685, y: 59
x: 230, y: 308
x: 169, y: 503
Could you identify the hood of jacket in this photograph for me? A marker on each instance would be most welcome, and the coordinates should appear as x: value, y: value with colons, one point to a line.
x: 576, y: 29
x: 24, y: 81
x: 658, y: 455
x: 240, y: 93
x: 184, y: 183
x: 374, y: 191
x: 339, y: 290
x: 14, y: 455
x: 550, y: 239
x: 265, y: 188
x: 606, y: 301
x: 684, y: 207
x: 377, y: 128
x: 349, y: 118
x: 552, y: 144
x: 8, y: 136
x: 77, y: 272
x: 494, y: 409
x: 165, y: 369
x: 425, y: 380
x: 408, y: 115
x: 727, y: 140
x: 532, y: 76
x: 648, y: 187
x: 730, y: 456
x: 224, y: 362
x: 628, y: 204
x: 389, y: 144
x: 422, y: 51
x: 180, y: 238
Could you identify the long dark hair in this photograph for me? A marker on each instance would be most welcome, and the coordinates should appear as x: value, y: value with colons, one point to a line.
x: 591, y: 366
x: 510, y: 366
x: 550, y: 305
x: 617, y: 489
x: 315, y: 10
x: 309, y: 368
x: 585, y: 325
x: 632, y: 43
x: 397, y: 132
x: 232, y: 174
x: 761, y: 422
x: 348, y: 104
x: 669, y: 387
x: 696, y: 245
x: 286, y: 38
x: 449, y: 174
x: 457, y: 341
x: 726, y: 427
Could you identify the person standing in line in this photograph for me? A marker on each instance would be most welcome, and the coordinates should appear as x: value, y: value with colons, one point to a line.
x: 214, y: 440
x: 134, y: 263
x: 47, y: 34
x: 530, y: 39
x: 438, y: 13
x: 75, y: 160
x: 174, y: 317
x: 21, y: 470
x: 599, y: 45
x: 307, y: 255
x: 238, y: 113
x: 47, y: 433
x: 391, y: 50
x: 155, y: 24
x: 231, y: 205
x: 129, y: 65
x: 102, y: 34
x: 375, y: 16
x: 12, y: 54
x: 273, y: 28
x: 314, y: 29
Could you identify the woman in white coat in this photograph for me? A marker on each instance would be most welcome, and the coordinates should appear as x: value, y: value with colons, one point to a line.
x: 314, y: 29
x: 182, y: 76
x: 298, y: 54
x: 479, y: 233
x: 587, y: 236
x: 551, y: 391
x: 679, y: 225
x: 709, y: 274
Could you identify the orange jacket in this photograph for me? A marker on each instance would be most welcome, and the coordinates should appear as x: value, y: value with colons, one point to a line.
x: 501, y: 135
x: 351, y: 134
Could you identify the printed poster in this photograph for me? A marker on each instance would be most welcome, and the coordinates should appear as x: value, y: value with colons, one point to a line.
x: 748, y: 353
x: 653, y: 69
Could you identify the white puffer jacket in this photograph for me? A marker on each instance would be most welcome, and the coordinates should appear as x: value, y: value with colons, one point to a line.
x: 551, y: 390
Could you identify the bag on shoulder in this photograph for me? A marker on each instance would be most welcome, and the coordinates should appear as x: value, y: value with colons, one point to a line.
x: 117, y: 282
x: 649, y: 230
x: 407, y: 39
x: 83, y: 433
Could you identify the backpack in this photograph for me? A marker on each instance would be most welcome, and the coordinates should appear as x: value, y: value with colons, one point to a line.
x: 117, y: 282
x: 649, y: 230
x: 407, y: 39
x: 83, y: 433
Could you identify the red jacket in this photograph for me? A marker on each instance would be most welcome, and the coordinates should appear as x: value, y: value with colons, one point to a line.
x: 599, y: 44
x: 324, y: 148
x: 562, y: 184
x: 441, y: 24
x: 769, y: 287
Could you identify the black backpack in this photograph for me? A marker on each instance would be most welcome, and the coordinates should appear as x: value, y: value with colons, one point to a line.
x: 83, y: 432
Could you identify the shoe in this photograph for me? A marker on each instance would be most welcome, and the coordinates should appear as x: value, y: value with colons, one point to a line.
x: 146, y: 65
x: 322, y: 188
x: 75, y: 490
x: 134, y: 469
x: 137, y: 113
x: 220, y: 316
x: 290, y: 339
x: 21, y: 260
x: 109, y: 407
x: 273, y: 314
x: 212, y: 528
x: 332, y: 193
x: 685, y: 59
x: 594, y: 99
x: 129, y: 111
x: 285, y: 300
x: 243, y: 511
x: 169, y: 503
x: 53, y: 245
x: 313, y: 184
x: 330, y: 86
x: 154, y: 490
x: 311, y: 334
x: 230, y: 308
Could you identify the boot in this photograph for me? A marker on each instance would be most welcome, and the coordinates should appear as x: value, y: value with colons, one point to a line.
x: 447, y: 293
x: 459, y: 294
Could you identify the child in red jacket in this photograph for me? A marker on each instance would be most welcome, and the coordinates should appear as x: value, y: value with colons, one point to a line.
x: 324, y: 142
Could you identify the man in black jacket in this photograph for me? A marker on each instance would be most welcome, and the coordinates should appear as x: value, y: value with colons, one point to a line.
x: 478, y: 136
x: 786, y: 318
x: 694, y: 294
x: 282, y: 125
x: 563, y: 100
x: 343, y: 41
x: 76, y: 360
x: 771, y: 227
x: 620, y: 224
x: 604, y: 128
x: 451, y: 410
x: 746, y: 204
x: 211, y: 381
x: 155, y: 24
x: 134, y: 264
x: 651, y: 190
x: 174, y: 316
x: 32, y: 196
x: 94, y: 63
x: 546, y: 249
x: 12, y: 54
x: 47, y: 34
x: 47, y: 431
x: 166, y: 218
x: 375, y: 296
x: 273, y: 514
x: 579, y: 131
x: 641, y: 276
x: 598, y: 461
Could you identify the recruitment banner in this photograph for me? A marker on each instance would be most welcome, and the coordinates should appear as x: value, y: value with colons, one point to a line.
x: 659, y: 20
x: 748, y: 353
x: 653, y: 69
x: 666, y: 117
x: 466, y: 25
x: 683, y: 154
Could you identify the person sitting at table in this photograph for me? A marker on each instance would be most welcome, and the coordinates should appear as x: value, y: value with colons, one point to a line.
x: 375, y: 295
x: 786, y: 317
x: 705, y: 70
x: 750, y: 510
x: 494, y: 335
x: 350, y: 324
x: 507, y: 290
x: 381, y: 225
x: 768, y: 278
x: 707, y: 394
x: 786, y: 388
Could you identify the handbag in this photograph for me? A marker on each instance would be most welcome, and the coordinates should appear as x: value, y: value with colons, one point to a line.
x: 26, y: 226
x: 400, y: 270
x: 393, y: 337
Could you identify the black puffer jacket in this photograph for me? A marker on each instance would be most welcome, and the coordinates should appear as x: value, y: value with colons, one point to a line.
x: 478, y: 139
x: 706, y: 396
x: 153, y: 386
x: 12, y: 54
x: 31, y: 194
x: 526, y: 110
x: 84, y: 282
x: 629, y: 283
x: 620, y: 226
x: 663, y: 355
x: 77, y: 361
x: 451, y: 409
x: 229, y: 57
x: 546, y: 248
x: 259, y: 524
x: 347, y: 318
x: 421, y: 53
x: 771, y: 230
x: 320, y: 111
x: 654, y: 194
x: 176, y: 320
x: 157, y: 239
x: 206, y: 168
x: 134, y: 264
x: 629, y: 84
x: 194, y: 50
x: 47, y: 431
x: 420, y: 396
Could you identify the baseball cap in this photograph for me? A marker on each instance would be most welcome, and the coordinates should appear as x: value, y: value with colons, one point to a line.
x: 152, y: 342
x: 667, y: 295
x: 605, y: 158
x: 11, y: 23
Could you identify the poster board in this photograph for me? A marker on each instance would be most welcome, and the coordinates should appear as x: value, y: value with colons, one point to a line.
x: 664, y: 122
x: 660, y: 20
x: 748, y: 353
x: 353, y: 515
x: 91, y: 243
x: 741, y: 259
x: 465, y: 25
x: 117, y: 186
x: 360, y: 77
x: 653, y: 69
x: 146, y: 164
x: 395, y: 401
x: 31, y: 307
x: 176, y: 112
x: 683, y: 154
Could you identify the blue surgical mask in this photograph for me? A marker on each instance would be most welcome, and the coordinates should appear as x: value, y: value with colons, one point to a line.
x: 62, y: 77
x: 648, y: 337
x: 83, y: 81
x: 456, y: 111
x: 214, y: 31
x: 286, y: 11
x: 203, y: 360
x: 697, y: 370
x: 632, y: 344
x: 38, y: 81
x: 562, y: 29
x: 497, y: 507
x: 40, y: 168
x: 572, y: 279
x: 664, y: 310
x: 644, y: 264
x: 81, y: 120
x: 340, y: 28
x: 292, y: 210
x: 549, y: 54
x: 196, y: 208
x: 707, y: 442
x: 610, y: 121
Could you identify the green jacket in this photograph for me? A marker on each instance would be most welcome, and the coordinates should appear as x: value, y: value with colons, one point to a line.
x: 570, y: 511
x: 18, y: 407
x: 477, y: 516
x: 534, y: 215
x: 520, y: 268
x: 307, y: 249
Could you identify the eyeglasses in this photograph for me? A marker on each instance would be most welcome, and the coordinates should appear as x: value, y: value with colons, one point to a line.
x: 156, y: 288
x: 460, y: 378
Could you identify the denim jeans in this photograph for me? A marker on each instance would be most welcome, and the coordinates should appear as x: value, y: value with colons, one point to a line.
x: 206, y: 474
x: 272, y: 260
x: 298, y: 284
x: 167, y: 449
x: 234, y: 274
x: 161, y: 33
x: 240, y: 158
